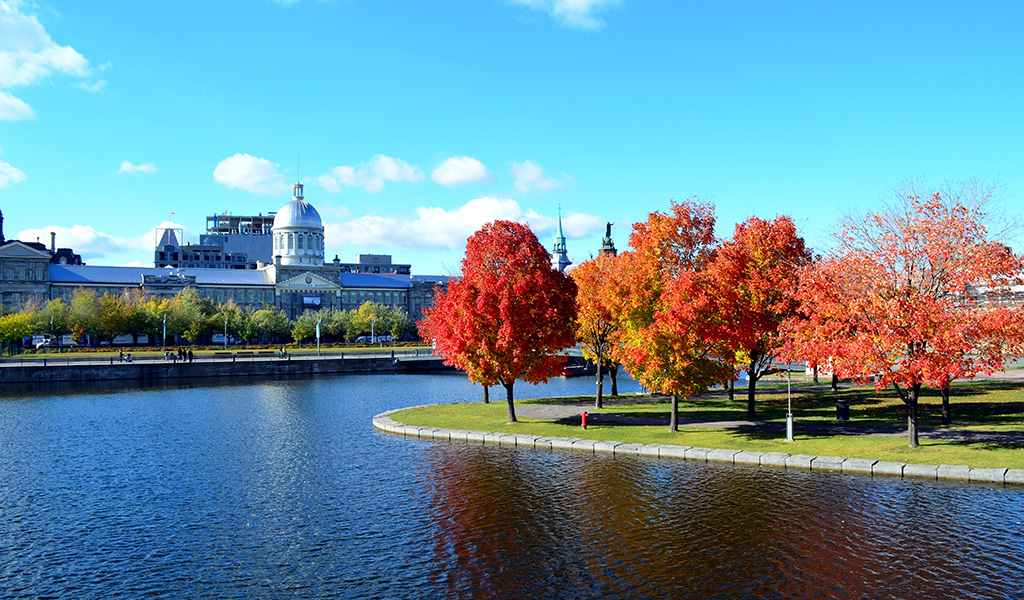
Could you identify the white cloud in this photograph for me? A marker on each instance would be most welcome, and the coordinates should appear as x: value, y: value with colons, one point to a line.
x: 10, y: 175
x: 97, y: 247
x: 251, y: 174
x: 92, y: 87
x: 29, y: 56
x: 14, y: 109
x: 433, y: 227
x: 460, y: 170
x: 127, y: 167
x: 370, y: 175
x: 530, y: 176
x: 574, y: 224
x: 575, y: 14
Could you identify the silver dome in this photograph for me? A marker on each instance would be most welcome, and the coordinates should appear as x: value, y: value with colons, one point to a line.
x: 298, y: 213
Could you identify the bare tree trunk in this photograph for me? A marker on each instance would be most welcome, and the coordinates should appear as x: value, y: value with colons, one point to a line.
x: 912, y: 395
x: 947, y: 416
x: 751, y: 390
x: 613, y: 370
x: 815, y: 372
x: 599, y: 399
x: 674, y: 421
x: 511, y: 405
x: 487, y: 394
x: 732, y: 390
x: 835, y: 382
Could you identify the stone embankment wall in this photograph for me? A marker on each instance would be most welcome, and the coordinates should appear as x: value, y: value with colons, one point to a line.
x: 834, y: 464
x: 149, y: 371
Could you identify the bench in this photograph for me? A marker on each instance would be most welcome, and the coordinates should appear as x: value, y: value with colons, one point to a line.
x: 222, y: 355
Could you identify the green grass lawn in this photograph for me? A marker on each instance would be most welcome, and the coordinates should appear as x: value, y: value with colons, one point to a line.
x: 988, y: 405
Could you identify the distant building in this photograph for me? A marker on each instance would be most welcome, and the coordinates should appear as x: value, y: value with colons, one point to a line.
x: 295, y: 278
x: 230, y: 242
x: 24, y: 268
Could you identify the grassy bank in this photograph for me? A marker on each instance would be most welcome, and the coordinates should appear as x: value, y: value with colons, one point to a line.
x: 990, y: 406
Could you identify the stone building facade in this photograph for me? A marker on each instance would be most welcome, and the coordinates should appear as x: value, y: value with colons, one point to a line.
x: 296, y: 280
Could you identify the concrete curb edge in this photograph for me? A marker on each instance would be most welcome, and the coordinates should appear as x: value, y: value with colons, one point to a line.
x: 835, y: 464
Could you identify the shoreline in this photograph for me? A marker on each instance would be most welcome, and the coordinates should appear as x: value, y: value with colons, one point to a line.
x: 228, y: 366
x: 833, y: 464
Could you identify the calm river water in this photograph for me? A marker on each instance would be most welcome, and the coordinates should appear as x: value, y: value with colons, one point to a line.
x: 282, y: 489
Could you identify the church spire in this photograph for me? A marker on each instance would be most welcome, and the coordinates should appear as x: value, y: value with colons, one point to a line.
x: 559, y: 258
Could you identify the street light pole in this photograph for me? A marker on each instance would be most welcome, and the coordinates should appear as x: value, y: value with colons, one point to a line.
x: 225, y: 331
x: 318, y: 334
x: 163, y: 340
x: 789, y: 415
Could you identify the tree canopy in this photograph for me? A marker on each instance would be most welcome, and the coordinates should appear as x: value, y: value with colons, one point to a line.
x: 906, y: 300
x: 508, y: 314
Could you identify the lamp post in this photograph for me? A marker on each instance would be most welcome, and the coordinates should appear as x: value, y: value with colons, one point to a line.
x: 163, y: 340
x: 225, y: 331
x: 789, y: 397
x: 373, y: 336
x: 320, y: 318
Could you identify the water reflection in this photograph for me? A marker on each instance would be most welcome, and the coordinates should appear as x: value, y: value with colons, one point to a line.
x: 283, y: 489
x: 580, y: 526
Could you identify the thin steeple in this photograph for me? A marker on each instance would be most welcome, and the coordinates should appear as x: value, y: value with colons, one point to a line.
x: 559, y: 257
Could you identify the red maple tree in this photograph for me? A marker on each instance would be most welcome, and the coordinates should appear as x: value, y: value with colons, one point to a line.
x: 909, y: 300
x: 754, y: 280
x: 508, y: 314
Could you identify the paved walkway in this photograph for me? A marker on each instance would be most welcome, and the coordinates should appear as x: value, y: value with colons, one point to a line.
x: 569, y: 413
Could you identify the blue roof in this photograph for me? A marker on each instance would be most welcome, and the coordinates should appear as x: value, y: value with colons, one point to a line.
x: 86, y: 274
x: 374, y: 280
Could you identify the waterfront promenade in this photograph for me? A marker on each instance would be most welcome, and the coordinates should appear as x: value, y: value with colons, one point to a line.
x: 240, y: 363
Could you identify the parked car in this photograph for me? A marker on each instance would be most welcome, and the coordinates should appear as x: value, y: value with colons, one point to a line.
x: 377, y: 339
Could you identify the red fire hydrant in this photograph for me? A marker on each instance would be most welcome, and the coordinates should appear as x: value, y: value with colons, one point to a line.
x: 583, y: 419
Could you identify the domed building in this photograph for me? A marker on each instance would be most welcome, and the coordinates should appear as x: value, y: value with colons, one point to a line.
x: 293, y: 276
x: 298, y: 233
x: 303, y: 281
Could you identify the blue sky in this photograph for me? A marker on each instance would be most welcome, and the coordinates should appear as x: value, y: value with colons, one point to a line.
x: 416, y: 121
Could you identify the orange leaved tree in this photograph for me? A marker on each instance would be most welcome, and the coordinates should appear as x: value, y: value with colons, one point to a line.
x: 754, y: 278
x: 599, y: 299
x: 906, y: 300
x: 675, y: 338
x: 507, y: 315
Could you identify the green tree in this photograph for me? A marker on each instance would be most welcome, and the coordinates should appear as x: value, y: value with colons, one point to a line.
x: 231, y: 318
x: 400, y: 322
x: 113, y: 316
x: 52, y: 318
x: 15, y: 326
x: 137, y: 319
x: 156, y: 310
x: 84, y: 314
x: 304, y: 327
x: 190, y: 315
x: 269, y: 321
